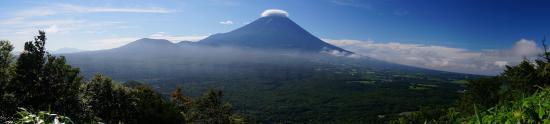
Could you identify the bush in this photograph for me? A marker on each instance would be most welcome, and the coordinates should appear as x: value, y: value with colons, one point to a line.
x: 41, y: 117
x: 531, y: 110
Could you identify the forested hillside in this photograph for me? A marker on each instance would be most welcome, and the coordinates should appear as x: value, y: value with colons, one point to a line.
x: 39, y: 87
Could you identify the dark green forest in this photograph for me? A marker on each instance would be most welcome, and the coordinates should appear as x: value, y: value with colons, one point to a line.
x: 37, y: 87
x: 326, y: 96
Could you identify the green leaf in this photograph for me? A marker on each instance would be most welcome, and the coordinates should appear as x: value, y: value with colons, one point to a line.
x: 541, y: 112
x: 478, y: 116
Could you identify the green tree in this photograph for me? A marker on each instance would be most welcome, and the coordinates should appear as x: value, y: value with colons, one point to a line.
x: 27, y: 85
x: 485, y: 92
x: 114, y: 103
x: 525, y: 78
x: 183, y: 104
x: 521, y: 78
x: 210, y: 109
x: 100, y: 96
x: 45, y: 82
x: 151, y: 108
x: 7, y: 99
x: 6, y: 59
x: 61, y: 85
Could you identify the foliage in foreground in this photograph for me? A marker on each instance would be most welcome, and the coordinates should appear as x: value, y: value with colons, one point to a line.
x: 531, y: 110
x: 41, y: 117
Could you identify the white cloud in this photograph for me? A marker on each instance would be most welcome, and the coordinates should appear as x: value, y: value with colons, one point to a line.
x: 525, y: 48
x: 58, y: 21
x: 57, y: 26
x: 274, y: 12
x: 501, y: 63
x: 176, y: 38
x: 52, y: 29
x: 69, y: 8
x: 339, y: 53
x: 522, y: 48
x: 442, y: 57
x: 109, y: 43
x: 32, y: 18
x: 19, y: 16
x: 228, y: 22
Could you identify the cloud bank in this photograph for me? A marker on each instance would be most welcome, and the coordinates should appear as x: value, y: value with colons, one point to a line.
x: 486, y: 62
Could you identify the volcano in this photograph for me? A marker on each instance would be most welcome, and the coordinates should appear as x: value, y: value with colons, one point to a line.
x: 273, y: 31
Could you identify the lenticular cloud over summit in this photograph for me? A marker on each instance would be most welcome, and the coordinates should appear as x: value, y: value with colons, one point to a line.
x: 275, y: 12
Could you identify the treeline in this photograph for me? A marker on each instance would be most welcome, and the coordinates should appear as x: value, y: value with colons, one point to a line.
x: 37, y: 82
x: 520, y: 94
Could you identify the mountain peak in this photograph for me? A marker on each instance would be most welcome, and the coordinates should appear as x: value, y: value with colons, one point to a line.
x: 274, y: 30
x: 149, y: 43
x: 185, y: 43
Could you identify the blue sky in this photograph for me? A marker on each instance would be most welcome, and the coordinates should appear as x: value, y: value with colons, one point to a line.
x: 465, y: 26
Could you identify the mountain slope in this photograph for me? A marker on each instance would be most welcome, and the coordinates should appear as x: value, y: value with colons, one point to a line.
x: 66, y: 50
x: 147, y: 45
